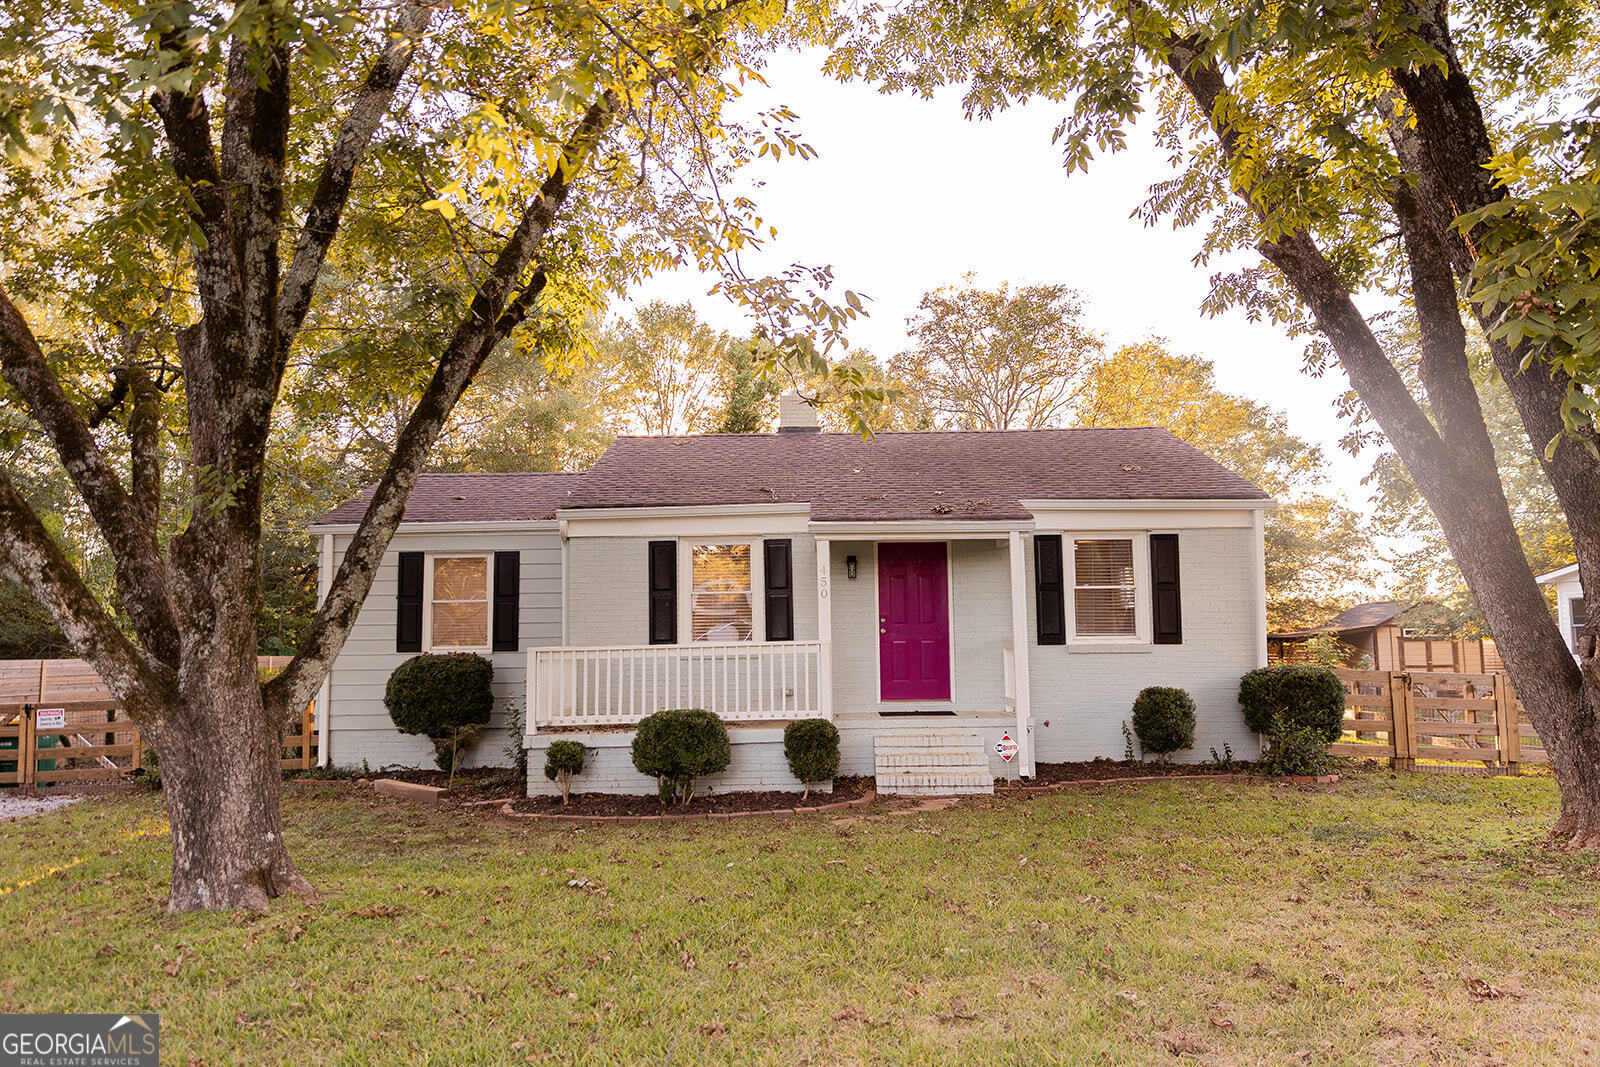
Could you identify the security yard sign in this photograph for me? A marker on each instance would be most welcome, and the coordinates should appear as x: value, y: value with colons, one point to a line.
x: 50, y: 719
x: 1006, y: 747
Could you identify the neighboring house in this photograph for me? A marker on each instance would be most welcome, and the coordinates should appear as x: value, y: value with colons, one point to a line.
x: 1571, y: 615
x: 1392, y: 635
x: 944, y: 598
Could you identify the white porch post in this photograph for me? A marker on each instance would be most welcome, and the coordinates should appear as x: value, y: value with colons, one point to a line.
x: 325, y: 690
x: 824, y: 630
x: 1019, y: 641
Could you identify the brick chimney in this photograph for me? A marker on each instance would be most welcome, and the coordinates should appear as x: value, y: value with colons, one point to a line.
x: 795, y: 415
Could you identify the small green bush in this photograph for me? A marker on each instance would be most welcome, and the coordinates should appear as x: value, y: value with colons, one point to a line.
x: 445, y: 697
x: 1293, y: 696
x: 812, y: 748
x: 1163, y: 718
x: 1294, y: 750
x: 562, y: 760
x: 677, y: 746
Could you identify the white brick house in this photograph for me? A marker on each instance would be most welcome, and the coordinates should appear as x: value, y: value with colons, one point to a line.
x: 944, y: 598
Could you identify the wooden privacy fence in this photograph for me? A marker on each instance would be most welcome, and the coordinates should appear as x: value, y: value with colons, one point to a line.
x: 1436, y: 718
x: 59, y: 723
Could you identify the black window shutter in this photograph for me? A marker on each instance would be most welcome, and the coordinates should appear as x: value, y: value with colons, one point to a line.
x: 408, y: 614
x: 507, y: 591
x: 780, y: 589
x: 1049, y: 590
x: 1166, y: 610
x: 663, y: 592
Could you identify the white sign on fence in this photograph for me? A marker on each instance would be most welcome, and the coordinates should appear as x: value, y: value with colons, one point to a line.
x: 50, y: 719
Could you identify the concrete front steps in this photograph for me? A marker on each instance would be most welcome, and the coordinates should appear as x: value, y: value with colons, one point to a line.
x: 932, y: 765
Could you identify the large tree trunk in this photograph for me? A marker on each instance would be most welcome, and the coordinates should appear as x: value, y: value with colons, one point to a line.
x: 223, y: 801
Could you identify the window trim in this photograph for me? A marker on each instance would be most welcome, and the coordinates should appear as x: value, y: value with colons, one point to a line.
x: 427, y: 601
x: 1573, y: 629
x: 758, y: 590
x: 1142, y: 624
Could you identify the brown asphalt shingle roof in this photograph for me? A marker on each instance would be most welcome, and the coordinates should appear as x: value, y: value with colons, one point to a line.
x: 908, y: 476
x: 472, y: 498
x: 1361, y: 617
x: 892, y: 477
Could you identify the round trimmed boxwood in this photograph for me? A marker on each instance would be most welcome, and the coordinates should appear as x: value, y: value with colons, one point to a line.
x: 1294, y: 697
x: 812, y: 748
x: 679, y: 745
x: 1163, y: 719
x: 446, y: 697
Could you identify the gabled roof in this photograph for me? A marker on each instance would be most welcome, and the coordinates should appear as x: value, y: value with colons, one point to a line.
x: 1556, y: 575
x: 1361, y: 617
x: 472, y: 498
x: 949, y: 475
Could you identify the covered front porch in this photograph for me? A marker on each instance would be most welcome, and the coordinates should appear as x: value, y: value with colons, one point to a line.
x: 919, y: 631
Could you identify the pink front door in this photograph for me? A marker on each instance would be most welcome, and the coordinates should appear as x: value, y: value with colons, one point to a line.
x: 913, y: 621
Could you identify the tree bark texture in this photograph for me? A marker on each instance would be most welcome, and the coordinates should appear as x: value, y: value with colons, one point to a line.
x: 1444, y: 154
x: 188, y: 675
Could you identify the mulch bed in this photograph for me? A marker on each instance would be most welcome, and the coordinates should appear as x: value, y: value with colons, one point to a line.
x: 613, y: 805
x: 1110, y: 770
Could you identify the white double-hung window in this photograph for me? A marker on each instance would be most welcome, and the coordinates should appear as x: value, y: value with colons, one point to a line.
x: 1106, y: 589
x: 457, y: 601
x: 722, y: 604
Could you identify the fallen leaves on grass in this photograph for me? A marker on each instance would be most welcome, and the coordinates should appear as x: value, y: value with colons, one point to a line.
x: 1222, y: 1024
x: 713, y: 1029
x: 1481, y: 990
x: 1179, y: 1042
x: 376, y: 911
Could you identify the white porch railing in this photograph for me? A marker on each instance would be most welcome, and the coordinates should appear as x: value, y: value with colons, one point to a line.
x: 620, y: 686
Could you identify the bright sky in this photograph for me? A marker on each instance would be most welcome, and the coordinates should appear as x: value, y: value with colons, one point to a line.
x: 905, y: 195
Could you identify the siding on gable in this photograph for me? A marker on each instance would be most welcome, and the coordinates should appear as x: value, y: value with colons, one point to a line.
x: 360, y: 728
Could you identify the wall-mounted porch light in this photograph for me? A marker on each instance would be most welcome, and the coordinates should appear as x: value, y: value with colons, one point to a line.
x: 850, y: 567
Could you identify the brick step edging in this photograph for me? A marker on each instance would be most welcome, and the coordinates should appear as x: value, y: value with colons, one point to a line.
x: 691, y: 816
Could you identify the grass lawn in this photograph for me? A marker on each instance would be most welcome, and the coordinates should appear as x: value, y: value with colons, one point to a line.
x: 1397, y: 918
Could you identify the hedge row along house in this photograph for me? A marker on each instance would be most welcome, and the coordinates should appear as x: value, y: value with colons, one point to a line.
x: 962, y: 605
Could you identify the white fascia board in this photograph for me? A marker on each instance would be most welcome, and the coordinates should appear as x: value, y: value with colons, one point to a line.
x: 1223, y: 504
x: 703, y: 520
x: 1556, y: 576
x: 1082, y: 516
x: 915, y: 531
x: 501, y: 526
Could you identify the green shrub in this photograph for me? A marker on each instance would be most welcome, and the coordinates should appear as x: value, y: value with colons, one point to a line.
x: 812, y: 748
x: 445, y: 697
x: 1163, y: 719
x: 1293, y: 750
x: 1293, y: 696
x: 675, y: 747
x: 562, y: 760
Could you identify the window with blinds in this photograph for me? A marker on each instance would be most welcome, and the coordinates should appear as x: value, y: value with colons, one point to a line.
x: 459, y: 605
x: 1103, y: 593
x: 721, y: 598
x: 1580, y: 618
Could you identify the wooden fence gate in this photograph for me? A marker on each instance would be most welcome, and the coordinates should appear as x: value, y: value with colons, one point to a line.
x: 1436, y: 718
x: 59, y: 723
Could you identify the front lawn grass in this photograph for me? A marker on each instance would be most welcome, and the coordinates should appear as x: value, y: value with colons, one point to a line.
x: 1396, y: 918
